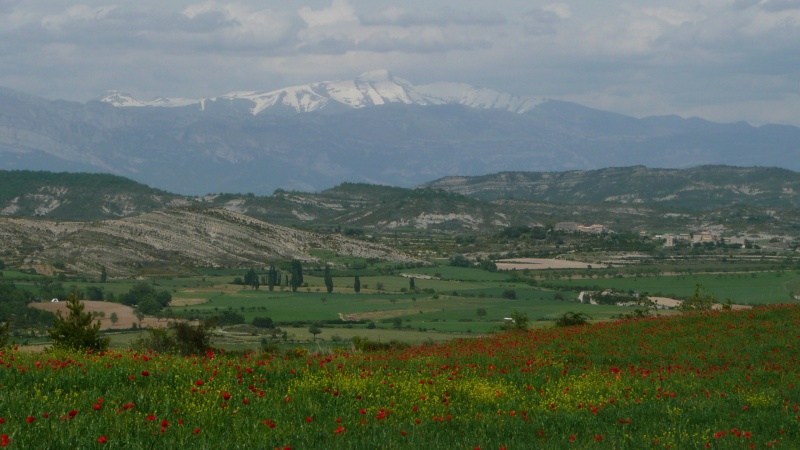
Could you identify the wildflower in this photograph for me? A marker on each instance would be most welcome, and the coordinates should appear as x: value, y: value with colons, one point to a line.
x: 196, y: 431
x: 151, y: 417
x: 339, y: 430
x: 145, y: 373
x: 30, y: 419
x: 309, y: 419
x: 102, y: 439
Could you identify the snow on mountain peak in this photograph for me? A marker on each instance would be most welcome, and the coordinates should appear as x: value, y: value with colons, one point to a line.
x: 377, y: 87
x: 123, y: 99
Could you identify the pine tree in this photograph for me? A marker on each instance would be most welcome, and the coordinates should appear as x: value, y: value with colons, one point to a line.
x: 76, y: 331
x: 357, y: 285
x: 328, y: 279
x: 296, y: 273
x: 272, y: 277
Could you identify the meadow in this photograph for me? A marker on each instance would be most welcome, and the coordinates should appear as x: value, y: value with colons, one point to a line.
x: 725, y: 379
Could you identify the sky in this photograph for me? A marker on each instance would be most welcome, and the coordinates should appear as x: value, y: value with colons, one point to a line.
x: 722, y: 60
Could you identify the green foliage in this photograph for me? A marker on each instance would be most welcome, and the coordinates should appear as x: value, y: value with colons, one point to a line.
x: 510, y: 294
x: 76, y: 331
x: 229, y: 317
x: 146, y: 299
x: 251, y: 279
x: 4, y: 334
x: 520, y: 321
x: 2, y: 265
x: 182, y: 338
x: 481, y: 312
x: 701, y: 300
x: 460, y: 261
x: 94, y: 293
x: 570, y: 319
x: 328, y: 279
x: 272, y: 277
x: 315, y: 329
x: 296, y: 275
x: 263, y: 322
x: 357, y: 285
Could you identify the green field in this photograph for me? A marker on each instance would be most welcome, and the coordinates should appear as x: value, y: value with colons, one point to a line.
x: 754, y: 288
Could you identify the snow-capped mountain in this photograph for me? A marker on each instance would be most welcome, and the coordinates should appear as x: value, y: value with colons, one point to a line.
x: 378, y: 87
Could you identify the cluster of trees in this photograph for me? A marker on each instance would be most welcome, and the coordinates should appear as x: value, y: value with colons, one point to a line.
x: 462, y: 261
x: 146, y: 299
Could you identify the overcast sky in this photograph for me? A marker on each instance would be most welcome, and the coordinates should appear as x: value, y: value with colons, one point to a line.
x: 724, y: 60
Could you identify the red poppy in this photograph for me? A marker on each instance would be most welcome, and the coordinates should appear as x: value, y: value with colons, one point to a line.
x: 102, y: 439
x: 4, y: 440
x: 339, y: 430
x: 151, y: 417
x: 196, y: 431
x: 145, y: 373
x: 30, y: 419
x: 309, y: 419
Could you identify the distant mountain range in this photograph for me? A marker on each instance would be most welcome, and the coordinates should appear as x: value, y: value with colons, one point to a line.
x: 375, y: 129
x: 374, y: 88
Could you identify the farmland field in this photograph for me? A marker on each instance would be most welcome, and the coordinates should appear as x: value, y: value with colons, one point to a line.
x: 724, y: 379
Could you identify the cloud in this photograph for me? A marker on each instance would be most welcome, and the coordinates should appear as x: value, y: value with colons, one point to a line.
x: 780, y: 5
x: 401, y: 17
x: 340, y: 11
x: 544, y: 21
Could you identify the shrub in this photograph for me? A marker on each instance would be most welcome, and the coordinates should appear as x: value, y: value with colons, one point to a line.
x: 510, y: 294
x: 76, y: 331
x: 570, y: 319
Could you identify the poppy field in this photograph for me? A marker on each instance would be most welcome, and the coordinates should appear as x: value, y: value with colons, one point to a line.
x: 725, y: 379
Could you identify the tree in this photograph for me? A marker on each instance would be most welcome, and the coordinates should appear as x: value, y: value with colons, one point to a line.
x: 251, y: 279
x: 520, y: 321
x: 103, y: 274
x: 263, y: 322
x: 459, y: 261
x: 296, y: 274
x: 570, y: 319
x: 2, y: 265
x: 510, y: 294
x: 411, y: 285
x: 328, y: 279
x: 357, y: 285
x: 481, y: 312
x: 701, y: 300
x: 76, y: 331
x: 114, y: 318
x: 272, y: 277
x: 314, y: 329
x: 94, y: 293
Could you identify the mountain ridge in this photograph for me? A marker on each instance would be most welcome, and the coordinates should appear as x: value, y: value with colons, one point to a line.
x: 223, y: 147
x: 368, y: 89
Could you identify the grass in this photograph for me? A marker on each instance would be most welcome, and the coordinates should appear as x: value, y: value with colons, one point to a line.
x: 715, y: 380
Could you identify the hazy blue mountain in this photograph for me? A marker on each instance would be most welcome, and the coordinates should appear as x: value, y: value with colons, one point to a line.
x: 382, y: 130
